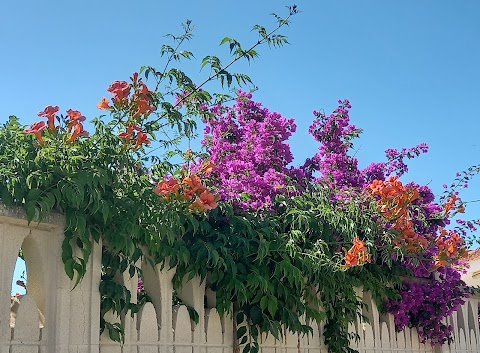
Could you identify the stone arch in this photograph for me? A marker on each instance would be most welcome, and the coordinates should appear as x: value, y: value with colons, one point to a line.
x: 460, y: 319
x: 472, y: 316
x: 12, y: 235
x: 41, y: 244
x: 370, y: 311
x: 157, y: 282
x: 387, y: 327
x: 192, y: 293
x: 34, y: 255
x: 183, y: 334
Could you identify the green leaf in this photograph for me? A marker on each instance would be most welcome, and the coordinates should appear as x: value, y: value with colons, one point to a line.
x: 272, y: 305
x: 105, y: 211
x: 225, y: 40
x: 241, y: 331
x: 131, y: 271
x: 256, y: 315
x: 240, y: 317
x: 7, y: 198
x: 31, y: 211
x: 81, y: 225
x: 193, y: 314
x: 33, y: 195
x: 67, y: 250
x: 69, y: 265
x: 264, y: 302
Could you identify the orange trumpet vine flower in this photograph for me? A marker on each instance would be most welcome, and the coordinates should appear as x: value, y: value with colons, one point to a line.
x: 36, y: 129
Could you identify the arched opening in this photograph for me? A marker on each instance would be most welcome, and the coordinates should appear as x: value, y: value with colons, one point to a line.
x: 19, y: 282
x: 26, y: 318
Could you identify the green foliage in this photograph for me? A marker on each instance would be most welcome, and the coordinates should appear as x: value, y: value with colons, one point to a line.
x: 271, y: 270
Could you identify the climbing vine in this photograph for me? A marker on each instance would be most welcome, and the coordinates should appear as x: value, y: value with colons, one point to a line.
x: 276, y: 243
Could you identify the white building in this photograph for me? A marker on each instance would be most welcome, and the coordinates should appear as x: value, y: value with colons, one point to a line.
x: 472, y: 277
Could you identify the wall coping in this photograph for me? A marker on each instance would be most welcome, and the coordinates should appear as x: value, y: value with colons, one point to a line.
x: 17, y: 216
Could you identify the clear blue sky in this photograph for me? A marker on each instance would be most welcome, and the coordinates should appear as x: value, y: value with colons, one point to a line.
x: 410, y: 68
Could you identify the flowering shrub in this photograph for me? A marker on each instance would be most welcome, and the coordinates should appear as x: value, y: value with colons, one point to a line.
x: 335, y: 134
x: 411, y: 223
x: 261, y: 232
x: 411, y: 233
x: 426, y: 304
x: 247, y: 143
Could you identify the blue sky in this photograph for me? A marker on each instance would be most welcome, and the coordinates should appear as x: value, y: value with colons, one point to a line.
x: 410, y: 68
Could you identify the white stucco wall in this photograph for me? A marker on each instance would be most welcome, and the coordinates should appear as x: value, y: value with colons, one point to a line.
x: 69, y: 319
x: 472, y: 277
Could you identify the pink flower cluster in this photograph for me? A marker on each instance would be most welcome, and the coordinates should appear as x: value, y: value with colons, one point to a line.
x: 426, y: 304
x: 246, y: 143
x: 395, y: 163
x: 334, y: 132
x: 332, y: 161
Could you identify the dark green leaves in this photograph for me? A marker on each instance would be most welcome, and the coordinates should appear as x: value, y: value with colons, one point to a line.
x: 270, y: 303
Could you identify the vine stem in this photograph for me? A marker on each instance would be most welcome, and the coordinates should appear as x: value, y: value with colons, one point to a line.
x: 472, y: 201
x: 189, y: 140
x: 236, y: 345
x: 183, y: 38
x: 211, y: 77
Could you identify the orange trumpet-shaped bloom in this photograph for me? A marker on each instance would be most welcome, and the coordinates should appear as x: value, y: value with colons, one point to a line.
x: 141, y: 139
x: 120, y: 90
x: 451, y: 246
x: 74, y: 117
x: 134, y: 77
x: 394, y: 200
x: 206, y: 201
x: 209, y: 200
x: 350, y: 260
x: 143, y: 91
x: 77, y: 130
x: 192, y: 188
x: 207, y: 167
x: 358, y: 245
x: 167, y: 186
x: 49, y: 113
x: 127, y: 135
x: 357, y: 255
x: 143, y: 107
x: 74, y: 125
x: 194, y: 183
x: 36, y: 129
x: 103, y: 104
x: 451, y: 203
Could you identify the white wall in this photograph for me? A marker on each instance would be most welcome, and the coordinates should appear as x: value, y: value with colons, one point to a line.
x: 53, y: 318
x: 472, y: 277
